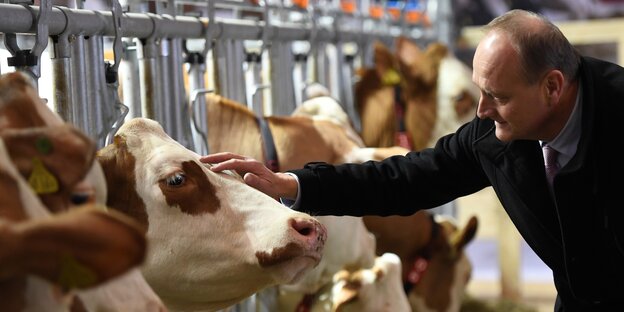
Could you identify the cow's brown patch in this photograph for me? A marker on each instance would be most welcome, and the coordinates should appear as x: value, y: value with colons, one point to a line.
x: 194, y: 194
x: 10, y: 202
x: 278, y: 255
x: 118, y: 165
x: 18, y: 100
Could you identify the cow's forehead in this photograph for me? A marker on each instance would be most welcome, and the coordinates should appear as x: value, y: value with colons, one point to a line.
x: 156, y: 151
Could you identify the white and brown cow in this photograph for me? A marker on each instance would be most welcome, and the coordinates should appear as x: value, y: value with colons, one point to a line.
x: 213, y: 239
x: 300, y: 139
x: 21, y: 108
x: 45, y: 257
x: 375, y: 289
x: 429, y: 92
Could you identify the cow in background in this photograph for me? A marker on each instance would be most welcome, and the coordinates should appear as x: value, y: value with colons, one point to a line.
x: 417, y: 239
x: 214, y: 240
x: 22, y: 109
x: 375, y: 289
x: 413, y: 97
x: 46, y: 257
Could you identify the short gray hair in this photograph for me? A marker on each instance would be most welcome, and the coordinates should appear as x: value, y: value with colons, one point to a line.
x: 540, y: 47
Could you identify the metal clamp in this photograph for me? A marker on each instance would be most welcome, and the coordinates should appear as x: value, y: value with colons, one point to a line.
x: 28, y: 60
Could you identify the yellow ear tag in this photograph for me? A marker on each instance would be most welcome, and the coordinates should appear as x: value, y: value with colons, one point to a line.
x: 41, y: 180
x: 391, y: 78
x: 75, y: 275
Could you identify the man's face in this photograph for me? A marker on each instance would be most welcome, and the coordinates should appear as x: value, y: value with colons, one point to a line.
x: 519, y: 109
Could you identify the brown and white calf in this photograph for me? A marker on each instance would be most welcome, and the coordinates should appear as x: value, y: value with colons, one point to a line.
x: 213, y: 239
x: 46, y: 257
x: 375, y: 289
x: 21, y: 108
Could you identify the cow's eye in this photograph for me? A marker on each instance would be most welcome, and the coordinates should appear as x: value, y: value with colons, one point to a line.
x: 79, y: 198
x: 176, y: 179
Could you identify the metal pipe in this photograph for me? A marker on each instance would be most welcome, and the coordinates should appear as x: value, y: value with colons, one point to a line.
x: 165, y: 107
x: 22, y: 19
x: 131, y: 83
x: 197, y: 104
x: 99, y: 111
x: 149, y: 82
x: 61, y: 72
x: 180, y: 113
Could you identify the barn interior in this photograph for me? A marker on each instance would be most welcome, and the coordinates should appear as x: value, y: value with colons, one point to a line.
x: 100, y: 63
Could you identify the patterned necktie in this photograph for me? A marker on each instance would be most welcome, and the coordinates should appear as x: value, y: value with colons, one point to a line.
x: 550, y: 162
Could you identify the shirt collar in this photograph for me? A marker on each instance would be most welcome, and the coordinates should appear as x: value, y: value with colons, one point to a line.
x: 566, y: 142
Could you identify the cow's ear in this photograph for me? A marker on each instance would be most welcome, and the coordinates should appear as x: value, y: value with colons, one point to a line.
x: 408, y: 53
x: 383, y: 58
x: 345, y: 296
x: 466, y: 235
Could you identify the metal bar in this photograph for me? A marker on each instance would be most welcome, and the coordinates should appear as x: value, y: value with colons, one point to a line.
x: 131, y: 85
x: 22, y: 19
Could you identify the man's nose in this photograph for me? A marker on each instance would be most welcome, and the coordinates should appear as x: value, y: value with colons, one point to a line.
x: 484, y: 109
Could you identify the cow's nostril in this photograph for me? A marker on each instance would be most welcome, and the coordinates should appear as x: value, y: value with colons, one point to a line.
x: 303, y: 227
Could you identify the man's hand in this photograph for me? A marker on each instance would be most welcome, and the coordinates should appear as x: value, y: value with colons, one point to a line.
x: 257, y: 175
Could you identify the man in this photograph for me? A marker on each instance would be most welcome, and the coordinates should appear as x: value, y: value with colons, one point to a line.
x: 535, y: 91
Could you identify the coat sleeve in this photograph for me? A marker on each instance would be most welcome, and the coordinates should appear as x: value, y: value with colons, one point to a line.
x: 399, y: 185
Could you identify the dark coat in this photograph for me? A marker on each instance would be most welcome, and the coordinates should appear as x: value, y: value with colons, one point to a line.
x: 580, y: 235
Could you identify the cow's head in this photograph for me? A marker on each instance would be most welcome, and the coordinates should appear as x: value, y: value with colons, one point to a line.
x: 442, y: 279
x: 375, y: 289
x: 44, y: 253
x: 432, y: 88
x: 214, y: 240
x: 21, y: 108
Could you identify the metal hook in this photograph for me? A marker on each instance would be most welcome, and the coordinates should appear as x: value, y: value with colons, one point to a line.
x: 117, y: 44
x: 111, y: 74
x: 192, y: 103
x: 112, y: 90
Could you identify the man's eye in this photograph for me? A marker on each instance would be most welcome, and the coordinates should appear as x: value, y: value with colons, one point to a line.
x: 176, y: 179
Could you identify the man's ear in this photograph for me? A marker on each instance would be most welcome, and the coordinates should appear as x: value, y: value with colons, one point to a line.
x: 553, y: 87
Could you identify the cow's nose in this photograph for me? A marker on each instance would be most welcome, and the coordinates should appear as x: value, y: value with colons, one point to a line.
x: 309, y: 229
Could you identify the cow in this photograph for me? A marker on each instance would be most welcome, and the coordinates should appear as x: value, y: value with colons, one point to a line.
x: 375, y: 289
x: 46, y: 257
x: 21, y: 108
x: 213, y: 240
x: 299, y: 139
x: 440, y: 284
x: 414, y: 97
